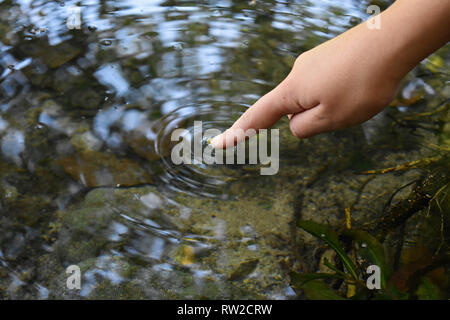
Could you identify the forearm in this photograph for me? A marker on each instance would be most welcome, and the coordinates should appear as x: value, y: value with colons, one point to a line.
x: 417, y: 29
x: 349, y: 79
x: 410, y: 30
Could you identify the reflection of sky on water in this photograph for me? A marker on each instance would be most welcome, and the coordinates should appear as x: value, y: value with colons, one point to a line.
x: 111, y: 76
x: 224, y: 31
x: 13, y: 144
x: 105, y: 119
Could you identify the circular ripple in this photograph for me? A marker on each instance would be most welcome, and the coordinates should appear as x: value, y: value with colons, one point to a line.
x: 196, y: 178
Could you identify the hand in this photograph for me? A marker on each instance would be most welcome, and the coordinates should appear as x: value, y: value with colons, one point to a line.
x: 348, y: 79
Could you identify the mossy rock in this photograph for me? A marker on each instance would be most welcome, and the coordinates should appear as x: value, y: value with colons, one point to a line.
x: 95, y: 169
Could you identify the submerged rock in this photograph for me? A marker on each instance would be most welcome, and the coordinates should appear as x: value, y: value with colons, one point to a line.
x: 137, y: 243
x: 86, y: 141
x: 51, y: 56
x: 244, y: 269
x: 96, y: 169
x: 144, y: 140
x: 144, y: 147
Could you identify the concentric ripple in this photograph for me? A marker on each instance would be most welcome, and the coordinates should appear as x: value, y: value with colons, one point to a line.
x: 196, y: 178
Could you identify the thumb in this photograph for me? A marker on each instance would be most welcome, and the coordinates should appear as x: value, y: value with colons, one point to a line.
x: 311, y: 122
x: 263, y: 114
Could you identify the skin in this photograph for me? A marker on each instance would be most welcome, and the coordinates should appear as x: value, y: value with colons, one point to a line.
x: 349, y: 79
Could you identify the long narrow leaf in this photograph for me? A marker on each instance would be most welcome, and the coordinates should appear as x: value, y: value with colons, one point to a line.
x: 299, y: 279
x: 372, y: 250
x: 331, y: 238
x: 318, y: 290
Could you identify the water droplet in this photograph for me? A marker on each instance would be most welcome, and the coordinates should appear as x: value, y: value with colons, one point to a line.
x: 363, y: 245
x: 322, y: 235
x: 105, y: 42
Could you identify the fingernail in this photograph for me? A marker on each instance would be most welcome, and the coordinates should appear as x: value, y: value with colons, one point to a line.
x: 216, y: 141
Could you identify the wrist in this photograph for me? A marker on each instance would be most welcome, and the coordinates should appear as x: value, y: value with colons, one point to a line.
x: 413, y: 30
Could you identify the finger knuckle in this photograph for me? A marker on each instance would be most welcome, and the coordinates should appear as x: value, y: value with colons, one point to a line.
x: 301, y: 58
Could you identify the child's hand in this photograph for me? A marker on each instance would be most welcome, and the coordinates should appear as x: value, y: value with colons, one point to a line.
x: 349, y: 79
x: 333, y: 86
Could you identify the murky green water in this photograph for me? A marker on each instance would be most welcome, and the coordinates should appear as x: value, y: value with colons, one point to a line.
x: 85, y: 120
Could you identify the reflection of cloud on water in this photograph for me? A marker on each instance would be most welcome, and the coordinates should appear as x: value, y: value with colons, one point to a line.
x: 13, y: 144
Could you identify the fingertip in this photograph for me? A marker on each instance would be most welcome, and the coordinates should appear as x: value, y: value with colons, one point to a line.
x: 217, y: 141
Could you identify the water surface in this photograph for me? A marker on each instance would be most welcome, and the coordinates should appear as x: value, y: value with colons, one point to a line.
x: 85, y: 123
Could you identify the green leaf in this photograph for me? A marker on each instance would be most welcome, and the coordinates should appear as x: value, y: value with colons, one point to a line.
x: 332, y: 267
x: 331, y: 238
x: 299, y: 279
x: 372, y: 250
x: 318, y: 290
